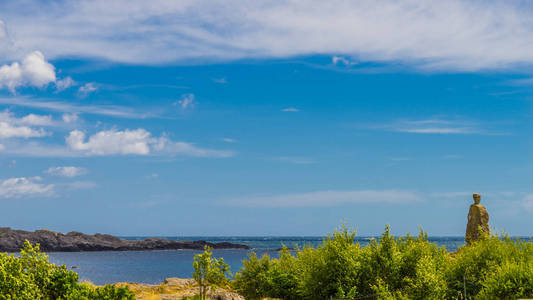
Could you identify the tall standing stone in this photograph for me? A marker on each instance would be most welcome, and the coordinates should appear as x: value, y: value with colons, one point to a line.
x: 478, y: 221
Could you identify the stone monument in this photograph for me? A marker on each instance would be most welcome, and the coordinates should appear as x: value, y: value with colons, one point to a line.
x: 478, y: 221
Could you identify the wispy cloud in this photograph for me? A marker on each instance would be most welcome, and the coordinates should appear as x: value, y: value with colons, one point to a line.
x: 10, y: 131
x: 331, y: 198
x: 65, y: 83
x: 112, y: 142
x: 87, y: 89
x: 290, y: 109
x: 186, y: 101
x: 66, y: 107
x: 77, y: 185
x: 495, y: 34
x: 24, y: 187
x: 340, y: 60
x: 153, y: 176
x: 66, y: 171
x: 70, y: 118
x: 434, y: 126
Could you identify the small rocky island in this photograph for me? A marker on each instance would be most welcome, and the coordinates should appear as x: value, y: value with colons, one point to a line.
x: 12, y: 241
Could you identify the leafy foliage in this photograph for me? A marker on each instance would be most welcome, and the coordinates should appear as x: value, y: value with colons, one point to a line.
x: 391, y: 268
x: 476, y: 265
x: 209, y: 271
x: 32, y: 276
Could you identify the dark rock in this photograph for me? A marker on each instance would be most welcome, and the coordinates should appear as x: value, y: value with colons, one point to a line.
x: 13, y: 240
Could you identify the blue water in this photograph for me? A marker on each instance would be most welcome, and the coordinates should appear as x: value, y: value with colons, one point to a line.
x: 154, y: 266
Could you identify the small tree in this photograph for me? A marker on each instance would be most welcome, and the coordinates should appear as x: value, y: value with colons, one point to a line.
x: 209, y: 271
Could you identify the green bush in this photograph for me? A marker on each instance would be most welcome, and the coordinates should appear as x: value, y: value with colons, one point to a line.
x: 262, y: 277
x: 392, y: 268
x: 492, y: 256
x: 32, y: 276
x: 209, y: 272
x: 252, y: 281
x: 511, y: 280
x: 407, y: 265
x: 331, y: 269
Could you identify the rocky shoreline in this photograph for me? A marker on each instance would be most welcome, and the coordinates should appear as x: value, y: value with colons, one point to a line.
x: 50, y: 241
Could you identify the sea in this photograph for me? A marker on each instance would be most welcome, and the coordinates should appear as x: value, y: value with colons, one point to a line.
x: 153, y: 267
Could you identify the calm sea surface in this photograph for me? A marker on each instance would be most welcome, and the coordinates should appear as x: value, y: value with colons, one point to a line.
x: 154, y: 266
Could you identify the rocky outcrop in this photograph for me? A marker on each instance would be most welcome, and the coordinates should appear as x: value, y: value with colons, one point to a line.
x: 478, y: 221
x: 13, y: 240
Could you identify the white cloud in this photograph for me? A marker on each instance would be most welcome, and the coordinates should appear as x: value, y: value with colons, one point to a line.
x: 229, y: 140
x: 67, y: 171
x: 13, y: 127
x: 166, y: 146
x: 64, y: 83
x: 24, y: 187
x: 454, y: 34
x: 2, y: 147
x: 135, y: 142
x: 111, y: 142
x: 108, y: 110
x: 433, y: 126
x: 8, y: 130
x: 30, y: 119
x: 342, y: 60
x: 87, y: 89
x: 331, y: 198
x: 37, y: 120
x: 70, y: 118
x: 34, y: 71
x: 290, y: 109
x: 186, y: 101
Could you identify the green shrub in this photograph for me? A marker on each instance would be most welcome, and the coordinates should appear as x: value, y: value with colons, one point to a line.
x: 209, y: 272
x: 32, y: 276
x: 475, y: 263
x: 331, y: 269
x: 392, y: 268
x: 252, y: 280
x: 283, y: 277
x: 404, y: 265
x: 510, y: 280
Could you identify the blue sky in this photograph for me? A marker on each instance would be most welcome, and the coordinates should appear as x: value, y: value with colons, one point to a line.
x: 264, y: 118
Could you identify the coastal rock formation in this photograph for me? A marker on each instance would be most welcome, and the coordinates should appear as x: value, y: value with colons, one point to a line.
x: 13, y: 240
x: 478, y: 221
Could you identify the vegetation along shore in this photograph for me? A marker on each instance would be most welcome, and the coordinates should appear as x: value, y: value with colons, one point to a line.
x: 408, y: 267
